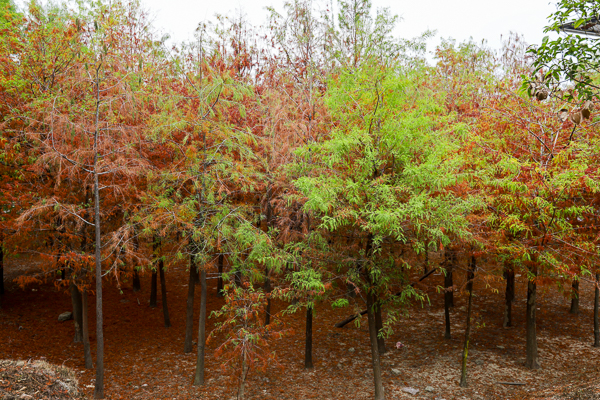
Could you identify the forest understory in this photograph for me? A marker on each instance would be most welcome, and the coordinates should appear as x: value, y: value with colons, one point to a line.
x: 145, y: 360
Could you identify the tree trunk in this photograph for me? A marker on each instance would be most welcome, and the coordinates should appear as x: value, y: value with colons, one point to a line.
x: 308, y: 363
x: 238, y: 278
x: 379, y: 326
x: 531, y: 360
x: 87, y: 352
x: 1, y: 265
x: 470, y: 277
x: 189, y: 313
x: 154, y: 281
x: 350, y: 290
x: 163, y: 292
x: 267, y: 289
x: 596, y: 306
x: 575, y: 297
x: 267, y: 285
x: 77, y: 312
x: 153, y: 288
x: 220, y: 278
x: 450, y: 259
x: 137, y: 285
x: 426, y: 263
x: 509, y: 275
x: 196, y: 276
x: 242, y: 387
x: 447, y: 333
x: 379, y: 395
x: 99, y: 385
x: 448, y: 282
x: 199, y: 377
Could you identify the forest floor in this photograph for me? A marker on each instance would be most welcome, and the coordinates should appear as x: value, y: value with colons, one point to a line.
x: 145, y: 360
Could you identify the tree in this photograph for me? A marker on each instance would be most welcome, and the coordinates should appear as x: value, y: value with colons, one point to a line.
x: 246, y: 343
x: 385, y: 174
x: 570, y: 58
x: 533, y: 182
x: 11, y: 147
x: 206, y: 188
x: 85, y: 73
x: 356, y: 36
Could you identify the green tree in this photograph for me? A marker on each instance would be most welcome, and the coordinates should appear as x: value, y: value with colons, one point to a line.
x: 572, y: 58
x: 385, y: 172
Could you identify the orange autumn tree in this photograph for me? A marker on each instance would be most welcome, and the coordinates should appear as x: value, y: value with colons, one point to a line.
x: 535, y: 173
x: 16, y: 154
x: 85, y: 118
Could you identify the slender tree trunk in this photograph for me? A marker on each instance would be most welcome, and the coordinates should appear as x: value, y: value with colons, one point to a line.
x: 1, y: 264
x: 220, y: 278
x: 450, y: 259
x: 163, y: 293
x: 575, y: 297
x: 531, y: 360
x: 76, y: 301
x: 509, y: 275
x: 267, y: 289
x: 238, y: 278
x: 379, y: 395
x: 371, y: 305
x: 199, y: 377
x: 196, y: 276
x: 596, y: 306
x: 447, y: 302
x: 155, y: 272
x: 426, y: 263
x: 470, y: 277
x: 99, y: 385
x: 137, y: 284
x: 189, y: 313
x: 448, y: 282
x: 87, y: 351
x: 1, y: 269
x: 350, y: 290
x: 153, y: 288
x: 308, y: 362
x: 379, y: 326
x: 60, y: 265
x: 242, y: 387
x: 267, y: 285
x: 447, y: 333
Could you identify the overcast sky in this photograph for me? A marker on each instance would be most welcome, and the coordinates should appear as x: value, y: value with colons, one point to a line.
x: 458, y: 19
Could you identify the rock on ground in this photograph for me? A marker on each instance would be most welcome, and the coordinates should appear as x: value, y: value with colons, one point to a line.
x: 65, y: 316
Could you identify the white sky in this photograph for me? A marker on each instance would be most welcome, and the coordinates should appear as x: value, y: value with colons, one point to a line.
x: 459, y: 19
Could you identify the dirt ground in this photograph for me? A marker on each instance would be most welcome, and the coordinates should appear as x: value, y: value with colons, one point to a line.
x: 145, y: 360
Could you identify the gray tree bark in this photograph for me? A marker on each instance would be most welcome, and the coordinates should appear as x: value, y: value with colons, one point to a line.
x: 531, y: 360
x: 199, y: 376
x: 470, y: 278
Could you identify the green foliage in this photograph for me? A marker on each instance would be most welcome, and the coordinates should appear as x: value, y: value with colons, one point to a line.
x: 357, y: 36
x: 571, y: 58
x: 387, y: 167
x: 8, y: 13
